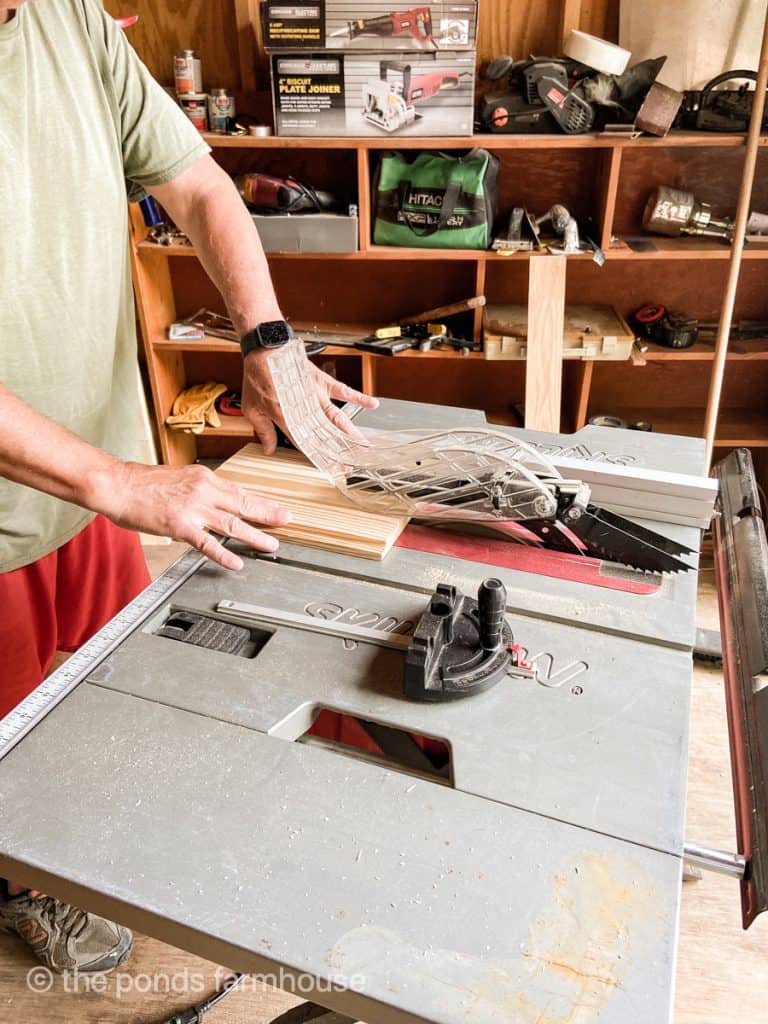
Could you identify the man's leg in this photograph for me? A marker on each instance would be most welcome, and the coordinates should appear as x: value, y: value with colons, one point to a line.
x: 59, y: 602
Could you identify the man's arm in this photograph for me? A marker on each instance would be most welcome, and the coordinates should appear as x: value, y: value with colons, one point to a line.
x: 181, y: 503
x: 205, y: 204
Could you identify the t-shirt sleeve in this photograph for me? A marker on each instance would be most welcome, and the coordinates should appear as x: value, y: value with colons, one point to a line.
x: 158, y: 141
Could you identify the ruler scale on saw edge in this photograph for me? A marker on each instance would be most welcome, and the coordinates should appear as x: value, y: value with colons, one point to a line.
x: 33, y: 709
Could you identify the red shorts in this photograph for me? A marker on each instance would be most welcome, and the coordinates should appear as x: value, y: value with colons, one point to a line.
x: 60, y: 601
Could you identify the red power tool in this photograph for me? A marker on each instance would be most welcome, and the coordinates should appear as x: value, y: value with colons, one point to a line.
x: 417, y: 23
x: 389, y: 103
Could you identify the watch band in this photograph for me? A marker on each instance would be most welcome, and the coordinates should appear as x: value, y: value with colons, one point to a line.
x: 270, y: 334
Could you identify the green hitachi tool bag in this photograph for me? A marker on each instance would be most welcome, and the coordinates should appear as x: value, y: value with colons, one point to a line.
x: 436, y: 201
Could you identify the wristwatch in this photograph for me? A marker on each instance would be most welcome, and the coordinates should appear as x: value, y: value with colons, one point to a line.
x: 270, y: 334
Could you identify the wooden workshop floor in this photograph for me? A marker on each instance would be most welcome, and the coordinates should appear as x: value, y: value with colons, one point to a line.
x: 722, y: 972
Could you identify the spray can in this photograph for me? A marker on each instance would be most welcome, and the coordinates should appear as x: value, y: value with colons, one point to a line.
x: 221, y: 107
x: 187, y: 72
x: 195, y: 106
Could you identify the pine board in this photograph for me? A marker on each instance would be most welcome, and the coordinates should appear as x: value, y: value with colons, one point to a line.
x: 322, y: 516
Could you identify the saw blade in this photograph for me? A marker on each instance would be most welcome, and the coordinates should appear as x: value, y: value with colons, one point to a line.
x: 616, y: 539
x: 672, y: 547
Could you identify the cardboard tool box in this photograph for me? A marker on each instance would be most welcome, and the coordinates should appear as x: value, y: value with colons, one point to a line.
x: 307, y: 232
x: 369, y: 25
x: 590, y: 332
x: 373, y: 94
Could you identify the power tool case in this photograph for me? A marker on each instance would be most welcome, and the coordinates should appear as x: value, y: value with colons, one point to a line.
x: 370, y: 25
x: 373, y: 94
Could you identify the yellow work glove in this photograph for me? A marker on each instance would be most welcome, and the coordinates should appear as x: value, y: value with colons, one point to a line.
x: 195, y: 407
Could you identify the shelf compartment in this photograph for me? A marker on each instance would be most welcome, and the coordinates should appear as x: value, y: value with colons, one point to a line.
x: 712, y: 174
x: 691, y: 286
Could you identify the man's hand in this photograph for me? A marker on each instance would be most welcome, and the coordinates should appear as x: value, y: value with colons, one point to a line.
x: 260, y: 405
x: 185, y: 503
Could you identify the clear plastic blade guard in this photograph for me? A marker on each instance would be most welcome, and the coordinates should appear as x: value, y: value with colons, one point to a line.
x: 452, y: 474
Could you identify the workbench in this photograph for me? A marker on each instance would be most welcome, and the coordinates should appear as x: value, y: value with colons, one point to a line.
x: 175, y: 790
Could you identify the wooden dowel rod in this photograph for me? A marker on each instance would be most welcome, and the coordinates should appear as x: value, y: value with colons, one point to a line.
x: 737, y: 248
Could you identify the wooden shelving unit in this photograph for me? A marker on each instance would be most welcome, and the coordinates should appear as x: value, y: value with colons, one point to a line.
x: 603, y: 180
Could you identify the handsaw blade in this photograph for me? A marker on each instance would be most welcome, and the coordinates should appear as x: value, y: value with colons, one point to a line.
x: 612, y: 537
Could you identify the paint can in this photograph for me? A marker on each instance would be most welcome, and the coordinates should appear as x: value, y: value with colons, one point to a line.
x: 221, y: 109
x: 187, y: 73
x: 195, y: 106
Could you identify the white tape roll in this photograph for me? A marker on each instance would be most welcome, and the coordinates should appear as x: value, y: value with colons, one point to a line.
x: 596, y: 53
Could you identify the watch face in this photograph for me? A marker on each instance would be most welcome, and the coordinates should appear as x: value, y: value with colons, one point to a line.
x: 274, y: 333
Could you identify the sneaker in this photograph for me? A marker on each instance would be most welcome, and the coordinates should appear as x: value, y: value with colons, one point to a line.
x: 63, y: 937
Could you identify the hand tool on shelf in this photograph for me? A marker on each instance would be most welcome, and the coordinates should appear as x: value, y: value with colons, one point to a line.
x: 402, y: 337
x: 512, y: 240
x: 672, y: 330
x: 675, y: 212
x: 464, y: 306
x: 717, y: 108
x: 564, y: 225
x: 417, y: 22
x: 270, y: 194
x: 544, y: 94
x: 160, y: 230
x: 741, y: 330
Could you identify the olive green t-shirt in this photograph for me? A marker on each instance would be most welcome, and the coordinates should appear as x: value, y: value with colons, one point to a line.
x: 81, y: 121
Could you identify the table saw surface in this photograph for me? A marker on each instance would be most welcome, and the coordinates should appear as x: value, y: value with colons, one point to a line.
x: 541, y: 885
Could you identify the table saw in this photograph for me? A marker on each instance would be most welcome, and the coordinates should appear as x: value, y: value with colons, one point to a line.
x: 533, y: 877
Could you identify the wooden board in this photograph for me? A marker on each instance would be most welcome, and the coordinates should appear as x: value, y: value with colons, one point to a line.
x: 322, y: 516
x: 544, y: 365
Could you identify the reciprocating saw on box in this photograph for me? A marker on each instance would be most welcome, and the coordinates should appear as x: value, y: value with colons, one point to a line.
x: 417, y: 23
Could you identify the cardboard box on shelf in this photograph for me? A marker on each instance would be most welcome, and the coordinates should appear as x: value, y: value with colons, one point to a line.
x: 372, y: 25
x: 307, y: 232
x: 373, y: 94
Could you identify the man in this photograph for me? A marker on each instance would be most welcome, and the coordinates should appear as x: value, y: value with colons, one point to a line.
x: 80, y: 120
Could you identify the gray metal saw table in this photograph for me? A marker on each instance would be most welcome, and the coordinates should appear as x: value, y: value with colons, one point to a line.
x: 173, y: 789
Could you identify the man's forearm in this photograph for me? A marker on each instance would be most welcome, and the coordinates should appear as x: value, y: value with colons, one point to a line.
x: 39, y: 453
x: 185, y: 503
x: 207, y: 207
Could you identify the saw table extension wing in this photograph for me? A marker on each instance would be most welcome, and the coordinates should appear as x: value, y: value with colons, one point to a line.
x: 175, y: 791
